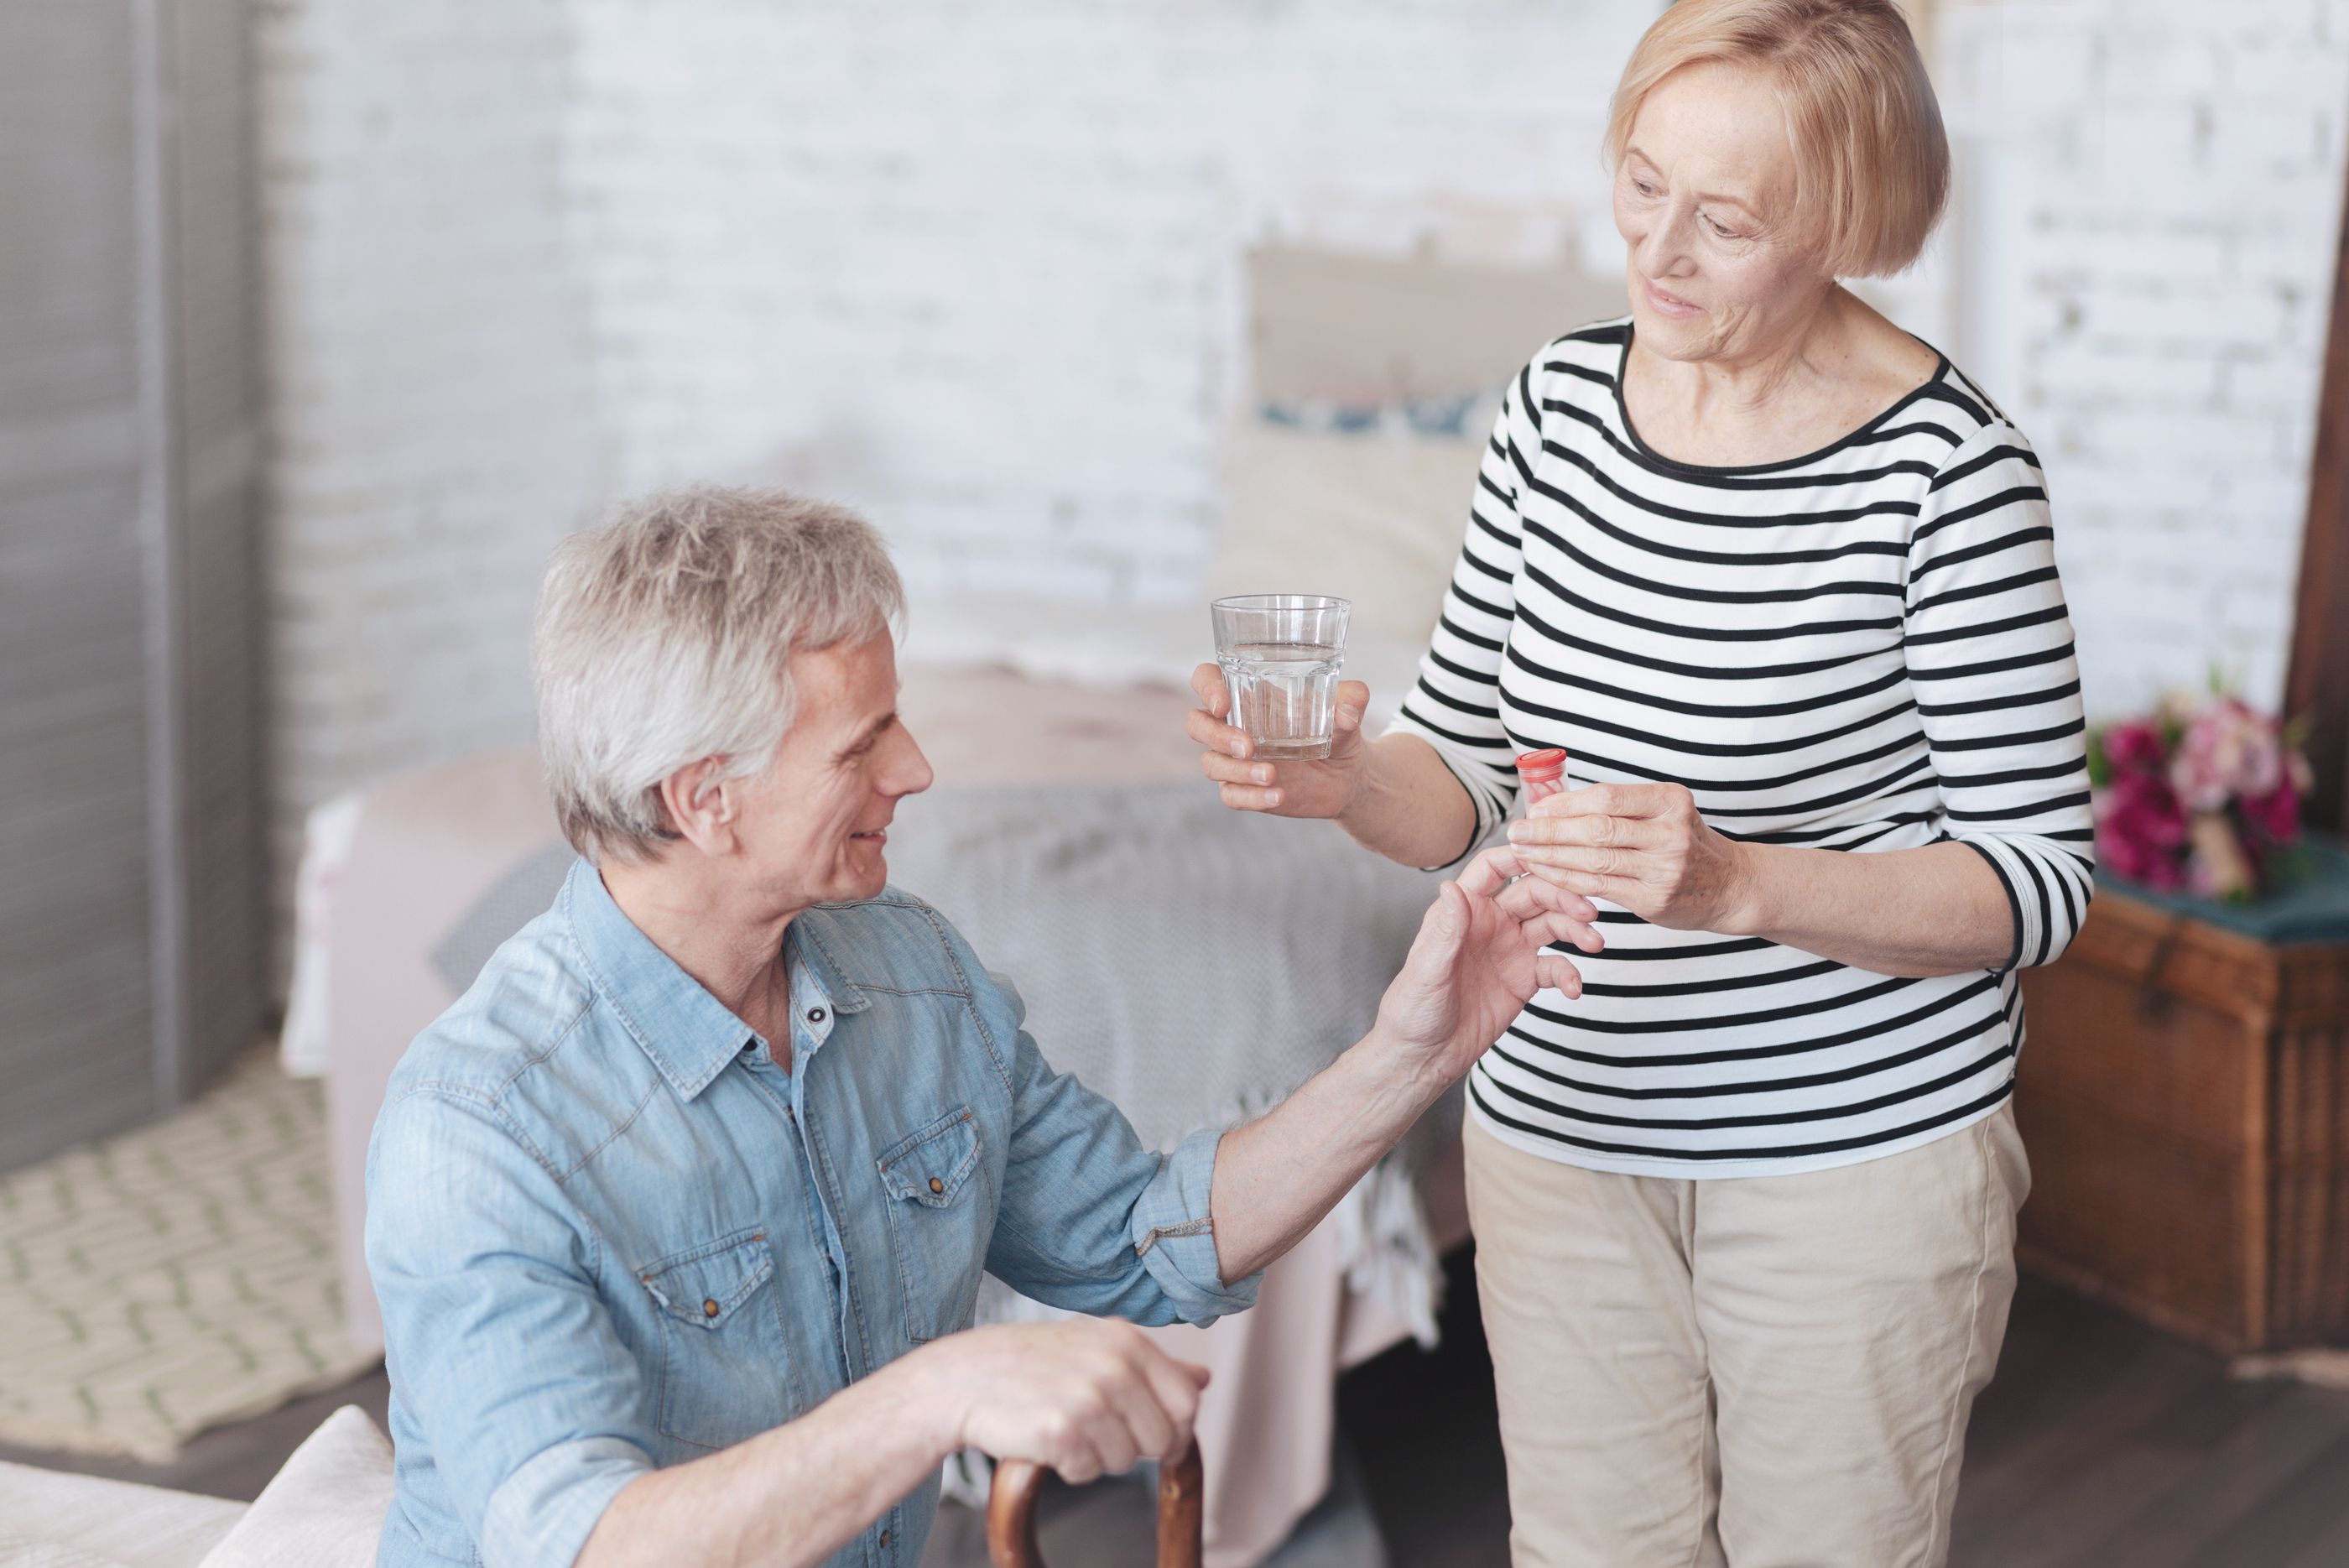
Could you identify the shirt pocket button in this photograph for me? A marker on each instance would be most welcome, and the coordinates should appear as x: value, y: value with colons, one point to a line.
x: 939, y: 1221
x: 723, y: 1368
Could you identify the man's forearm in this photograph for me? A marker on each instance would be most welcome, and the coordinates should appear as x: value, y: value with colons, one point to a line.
x: 787, y: 1497
x: 1277, y: 1176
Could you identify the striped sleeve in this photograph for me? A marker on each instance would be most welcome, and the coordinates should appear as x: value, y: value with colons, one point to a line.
x: 1454, y: 706
x: 1989, y: 649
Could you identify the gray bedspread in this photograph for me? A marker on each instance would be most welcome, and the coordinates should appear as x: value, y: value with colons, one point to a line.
x: 1191, y: 963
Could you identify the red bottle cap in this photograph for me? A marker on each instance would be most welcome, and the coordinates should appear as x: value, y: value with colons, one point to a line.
x: 1542, y: 767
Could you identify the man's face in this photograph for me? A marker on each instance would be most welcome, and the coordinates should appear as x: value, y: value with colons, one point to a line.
x: 813, y: 827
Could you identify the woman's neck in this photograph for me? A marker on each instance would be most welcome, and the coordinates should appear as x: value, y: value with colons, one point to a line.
x: 1823, y: 376
x: 1762, y: 373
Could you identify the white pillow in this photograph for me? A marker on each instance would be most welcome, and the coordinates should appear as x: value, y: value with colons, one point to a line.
x: 22, y: 1552
x: 49, y: 1519
x: 1376, y: 518
x: 325, y: 1508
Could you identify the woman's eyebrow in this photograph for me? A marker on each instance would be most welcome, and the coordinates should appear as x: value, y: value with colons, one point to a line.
x: 1722, y: 198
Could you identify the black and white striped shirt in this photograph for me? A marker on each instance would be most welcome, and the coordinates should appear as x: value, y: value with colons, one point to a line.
x: 1864, y: 648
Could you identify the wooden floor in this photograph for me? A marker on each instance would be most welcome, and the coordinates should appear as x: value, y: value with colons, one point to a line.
x: 2101, y: 1443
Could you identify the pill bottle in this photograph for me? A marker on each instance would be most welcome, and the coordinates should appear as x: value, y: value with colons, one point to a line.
x: 1542, y: 772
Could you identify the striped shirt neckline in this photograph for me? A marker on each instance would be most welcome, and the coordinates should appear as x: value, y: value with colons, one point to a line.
x: 1942, y: 369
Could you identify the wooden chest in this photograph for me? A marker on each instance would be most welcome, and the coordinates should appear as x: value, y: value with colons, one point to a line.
x: 2184, y: 1095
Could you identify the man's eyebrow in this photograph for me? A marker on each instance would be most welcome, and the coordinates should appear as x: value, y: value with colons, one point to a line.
x: 878, y: 728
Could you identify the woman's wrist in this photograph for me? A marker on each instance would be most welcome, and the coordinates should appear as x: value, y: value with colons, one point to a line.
x: 1750, y: 898
x: 1363, y: 785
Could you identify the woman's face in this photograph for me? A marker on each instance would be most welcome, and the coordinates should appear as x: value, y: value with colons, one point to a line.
x: 1704, y: 198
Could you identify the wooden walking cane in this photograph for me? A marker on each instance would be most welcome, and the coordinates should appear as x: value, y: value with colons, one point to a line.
x: 1011, y: 1513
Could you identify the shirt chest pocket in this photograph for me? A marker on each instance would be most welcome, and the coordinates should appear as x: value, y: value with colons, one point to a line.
x: 940, y: 1219
x: 725, y: 1370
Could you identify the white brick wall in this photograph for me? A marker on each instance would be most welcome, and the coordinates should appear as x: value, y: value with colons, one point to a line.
x: 975, y: 267
x: 2157, y: 306
x: 432, y: 432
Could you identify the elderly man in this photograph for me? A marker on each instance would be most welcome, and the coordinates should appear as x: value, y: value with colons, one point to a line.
x: 677, y: 1217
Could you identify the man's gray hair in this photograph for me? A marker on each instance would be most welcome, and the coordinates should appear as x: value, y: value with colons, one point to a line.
x: 661, y: 638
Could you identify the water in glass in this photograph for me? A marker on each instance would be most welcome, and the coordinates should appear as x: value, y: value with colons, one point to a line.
x: 1281, y: 694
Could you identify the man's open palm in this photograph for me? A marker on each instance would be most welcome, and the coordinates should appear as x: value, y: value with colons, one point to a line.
x: 1478, y: 960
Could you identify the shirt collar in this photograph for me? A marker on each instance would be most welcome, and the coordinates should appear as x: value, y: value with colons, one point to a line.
x: 810, y: 943
x: 689, y: 1034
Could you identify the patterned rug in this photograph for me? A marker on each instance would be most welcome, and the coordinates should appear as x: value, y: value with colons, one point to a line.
x: 172, y: 1277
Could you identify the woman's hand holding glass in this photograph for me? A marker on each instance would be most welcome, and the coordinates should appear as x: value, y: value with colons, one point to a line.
x: 1322, y: 787
x: 1642, y: 848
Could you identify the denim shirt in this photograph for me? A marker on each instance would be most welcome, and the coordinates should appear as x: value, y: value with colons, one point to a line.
x: 610, y: 1233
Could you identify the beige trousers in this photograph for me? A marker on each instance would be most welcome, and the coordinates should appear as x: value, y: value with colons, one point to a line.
x: 1759, y: 1372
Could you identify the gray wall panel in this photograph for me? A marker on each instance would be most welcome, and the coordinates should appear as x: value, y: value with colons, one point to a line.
x: 218, y: 427
x: 127, y: 450
x: 74, y: 808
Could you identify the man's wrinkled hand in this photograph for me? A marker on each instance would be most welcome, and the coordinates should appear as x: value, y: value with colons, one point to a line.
x: 1087, y: 1396
x: 1480, y: 956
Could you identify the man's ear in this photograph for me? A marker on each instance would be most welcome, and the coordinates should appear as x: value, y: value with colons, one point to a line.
x: 701, y: 806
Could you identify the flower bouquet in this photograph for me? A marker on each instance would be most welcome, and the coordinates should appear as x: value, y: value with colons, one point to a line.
x: 2202, y: 795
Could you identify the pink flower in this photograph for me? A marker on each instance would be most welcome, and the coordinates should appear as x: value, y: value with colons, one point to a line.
x: 2141, y: 829
x: 2134, y: 746
x: 2227, y: 750
x: 2200, y: 795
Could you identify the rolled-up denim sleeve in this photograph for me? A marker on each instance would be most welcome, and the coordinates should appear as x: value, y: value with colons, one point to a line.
x: 494, y: 1331
x: 1092, y: 1221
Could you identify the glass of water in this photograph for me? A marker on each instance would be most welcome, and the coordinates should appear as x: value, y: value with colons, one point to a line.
x: 1280, y: 655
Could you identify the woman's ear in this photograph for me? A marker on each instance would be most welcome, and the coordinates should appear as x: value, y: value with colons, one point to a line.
x: 700, y: 806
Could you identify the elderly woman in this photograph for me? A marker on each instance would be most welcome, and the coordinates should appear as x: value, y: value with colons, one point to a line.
x: 1780, y: 579
x: 677, y: 1216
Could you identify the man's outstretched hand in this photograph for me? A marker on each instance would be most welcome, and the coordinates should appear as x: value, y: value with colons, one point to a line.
x: 1478, y: 960
x: 1475, y: 963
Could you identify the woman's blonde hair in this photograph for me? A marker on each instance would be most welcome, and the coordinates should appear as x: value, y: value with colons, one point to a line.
x: 1872, y: 161
x: 662, y: 638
